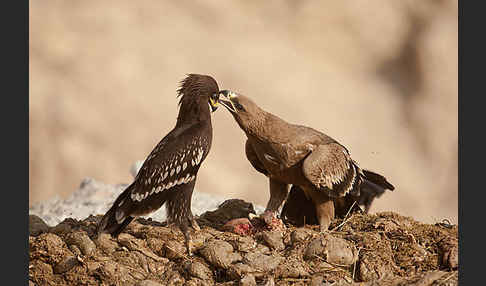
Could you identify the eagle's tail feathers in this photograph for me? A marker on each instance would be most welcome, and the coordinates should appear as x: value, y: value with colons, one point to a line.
x: 115, y: 220
x: 118, y: 228
x: 372, y: 186
x: 378, y: 180
x: 124, y: 210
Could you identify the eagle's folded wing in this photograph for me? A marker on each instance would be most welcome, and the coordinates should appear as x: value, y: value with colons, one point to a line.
x: 329, y: 167
x: 253, y: 158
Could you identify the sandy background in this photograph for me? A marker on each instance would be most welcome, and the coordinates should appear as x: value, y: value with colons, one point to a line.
x: 379, y: 76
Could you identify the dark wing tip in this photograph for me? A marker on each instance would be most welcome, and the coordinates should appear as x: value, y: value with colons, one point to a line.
x: 389, y: 186
x: 378, y: 179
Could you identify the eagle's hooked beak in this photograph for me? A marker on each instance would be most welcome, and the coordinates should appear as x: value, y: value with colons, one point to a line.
x: 226, y: 99
x: 214, y: 102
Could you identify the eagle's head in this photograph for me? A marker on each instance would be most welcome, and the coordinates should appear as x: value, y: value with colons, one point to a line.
x: 198, y: 98
x: 244, y: 110
x: 198, y: 89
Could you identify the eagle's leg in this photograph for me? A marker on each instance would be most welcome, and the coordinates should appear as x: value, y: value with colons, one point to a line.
x: 188, y: 239
x: 278, y: 194
x: 194, y: 224
x: 192, y: 219
x: 324, y: 208
x: 186, y: 231
x: 179, y: 212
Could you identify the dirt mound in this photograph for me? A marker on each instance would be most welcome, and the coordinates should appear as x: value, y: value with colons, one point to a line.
x: 378, y: 249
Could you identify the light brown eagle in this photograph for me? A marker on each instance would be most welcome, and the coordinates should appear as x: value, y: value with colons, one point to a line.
x: 297, y: 155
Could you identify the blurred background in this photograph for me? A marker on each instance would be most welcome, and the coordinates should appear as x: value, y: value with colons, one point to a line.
x: 378, y: 76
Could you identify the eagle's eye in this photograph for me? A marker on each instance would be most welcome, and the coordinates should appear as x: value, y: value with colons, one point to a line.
x: 239, y: 106
x: 215, y: 97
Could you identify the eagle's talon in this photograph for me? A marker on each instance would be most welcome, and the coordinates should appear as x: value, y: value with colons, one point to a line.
x: 269, y: 219
x: 195, y: 225
x: 252, y: 216
x: 189, y: 243
x: 323, y: 230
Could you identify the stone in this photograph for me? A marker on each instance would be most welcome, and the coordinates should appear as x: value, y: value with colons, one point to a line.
x: 248, y: 280
x: 65, y: 265
x: 262, y: 262
x: 219, y: 253
x: 199, y: 270
x: 274, y: 239
x: 82, y: 241
x: 334, y: 250
x: 37, y: 225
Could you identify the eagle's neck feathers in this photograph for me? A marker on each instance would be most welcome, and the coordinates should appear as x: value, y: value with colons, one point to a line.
x: 193, y: 111
x: 266, y: 127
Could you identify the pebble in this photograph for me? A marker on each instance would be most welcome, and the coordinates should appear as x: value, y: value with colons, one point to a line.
x: 248, y: 280
x: 334, y: 249
x: 82, y: 241
x: 299, y: 235
x: 238, y: 270
x: 274, y: 239
x: 105, y: 243
x: 65, y: 265
x: 262, y: 262
x: 61, y: 229
x: 219, y: 253
x: 292, y: 268
x: 37, y: 225
x: 199, y: 240
x: 245, y: 244
x: 200, y: 270
x: 174, y: 250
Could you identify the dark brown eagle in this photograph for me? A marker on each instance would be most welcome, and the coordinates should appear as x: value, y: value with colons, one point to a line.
x: 315, y: 164
x: 169, y: 173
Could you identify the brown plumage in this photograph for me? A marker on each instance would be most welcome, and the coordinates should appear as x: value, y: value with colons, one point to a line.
x: 297, y: 155
x: 169, y: 173
x: 299, y: 210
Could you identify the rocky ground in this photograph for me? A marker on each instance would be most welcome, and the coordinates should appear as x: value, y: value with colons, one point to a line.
x: 362, y: 249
